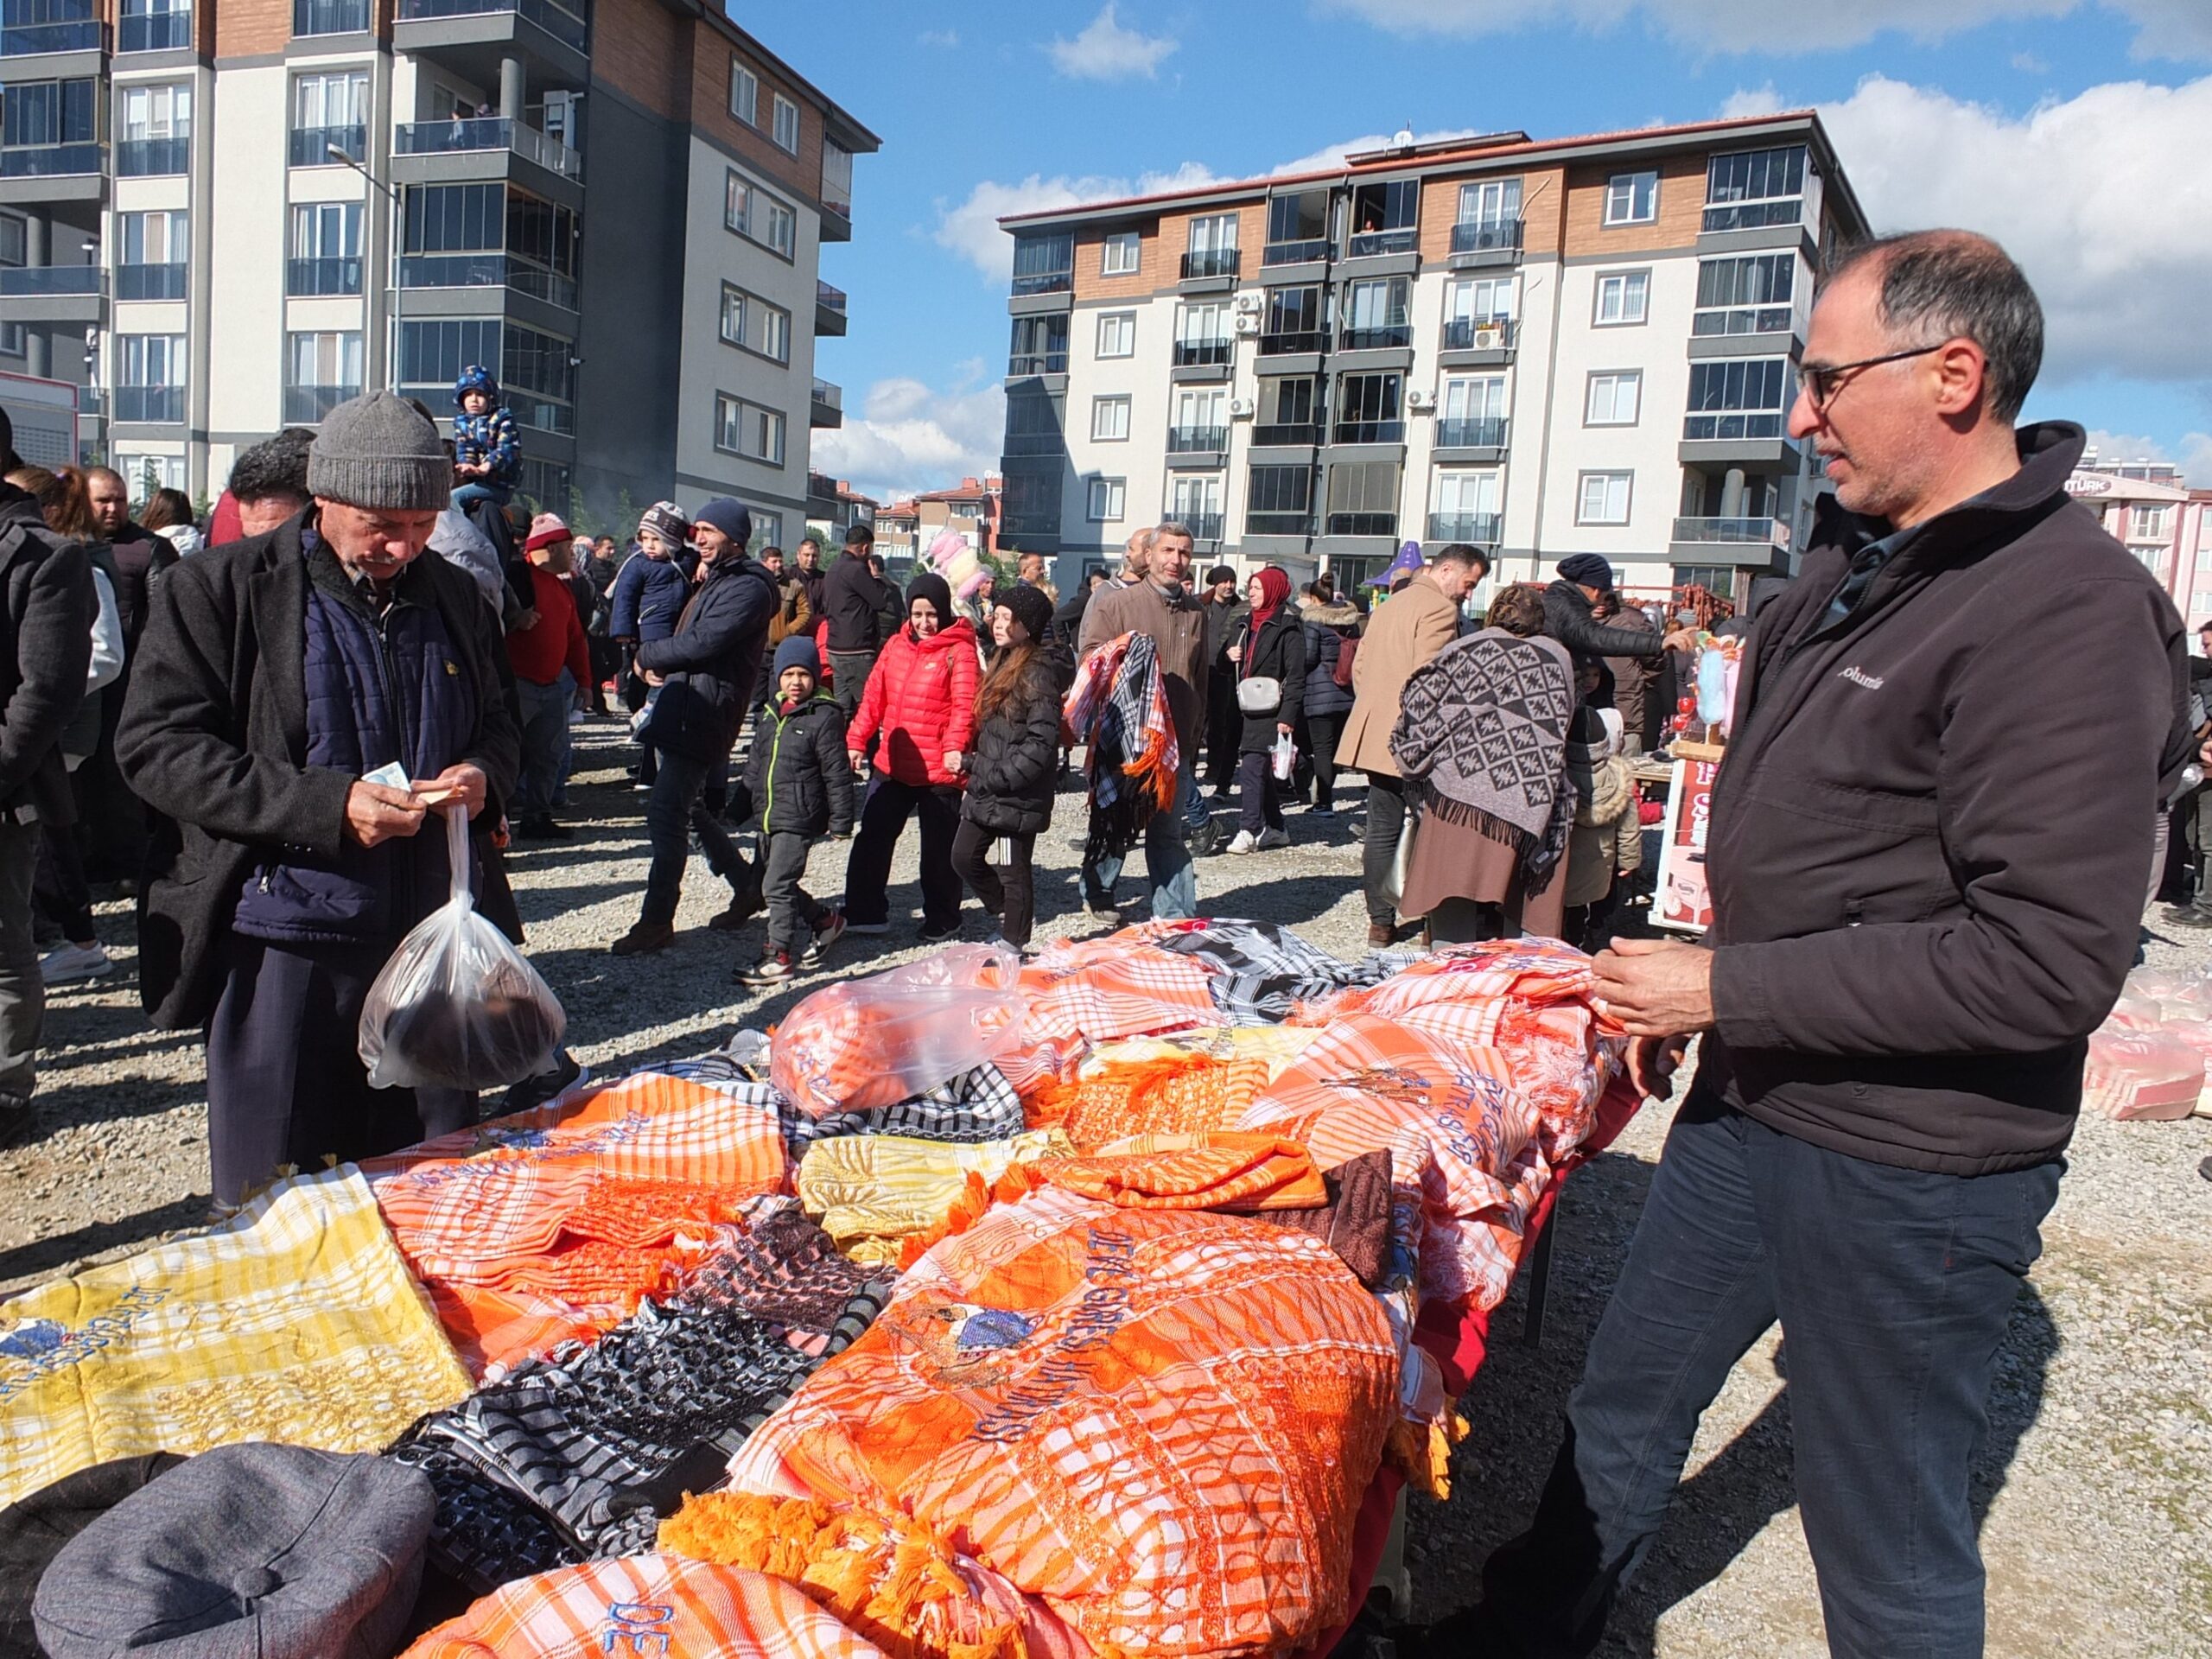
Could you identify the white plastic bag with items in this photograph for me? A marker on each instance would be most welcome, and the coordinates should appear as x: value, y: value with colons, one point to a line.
x: 872, y: 1042
x: 1283, y: 758
x: 458, y: 1006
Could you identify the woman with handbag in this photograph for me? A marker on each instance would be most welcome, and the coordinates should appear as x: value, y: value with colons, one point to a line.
x: 1270, y: 657
x: 1014, y: 767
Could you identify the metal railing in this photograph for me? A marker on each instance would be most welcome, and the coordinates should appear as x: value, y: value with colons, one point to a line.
x: 28, y: 40
x: 1279, y: 523
x: 340, y: 274
x: 1037, y: 363
x: 151, y: 158
x: 306, y: 405
x: 1391, y: 431
x: 1203, y: 526
x: 1732, y: 424
x: 1295, y: 253
x: 1203, y: 353
x: 1475, y: 432
x: 559, y: 22
x: 163, y: 404
x: 52, y: 161
x: 28, y: 282
x: 1210, y: 262
x: 1197, y: 440
x: 829, y: 394
x: 831, y: 299
x: 311, y: 146
x: 1287, y: 432
x: 1293, y: 342
x: 153, y: 31
x: 1365, y: 339
x: 1486, y: 235
x: 161, y: 282
x: 330, y: 17
x: 1736, y: 532
x: 820, y: 486
x: 1044, y: 282
x: 487, y: 132
x: 1481, y: 334
x: 487, y: 270
x: 1479, y: 529
x: 1366, y: 244
x: 1754, y: 215
x: 1723, y: 320
x: 1362, y: 523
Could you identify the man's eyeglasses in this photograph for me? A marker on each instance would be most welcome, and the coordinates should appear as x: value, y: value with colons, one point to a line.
x: 1820, y: 382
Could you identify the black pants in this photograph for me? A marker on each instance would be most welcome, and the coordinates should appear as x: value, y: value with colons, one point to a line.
x: 285, y: 1082
x: 883, y: 819
x: 790, y: 906
x: 1893, y: 1287
x: 848, y: 671
x: 1386, y: 822
x: 1259, y: 797
x: 673, y: 814
x: 1322, y: 731
x: 1009, y: 892
x: 1223, y: 727
x: 604, y: 659
x: 64, y: 897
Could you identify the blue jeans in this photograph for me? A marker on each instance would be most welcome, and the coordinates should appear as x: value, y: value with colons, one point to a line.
x: 1166, y: 857
x: 1893, y: 1287
x: 470, y: 493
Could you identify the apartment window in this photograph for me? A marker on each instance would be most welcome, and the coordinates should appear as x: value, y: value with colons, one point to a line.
x: 537, y: 370
x: 737, y: 205
x: 326, y: 250
x: 1631, y: 199
x: 15, y: 342
x: 149, y: 374
x: 152, y: 252
x: 1201, y: 422
x: 1754, y: 188
x: 1291, y: 409
x: 1044, y: 265
x: 13, y: 240
x: 1117, y: 333
x: 1363, y: 499
x: 744, y: 93
x: 1295, y: 321
x: 1623, y: 297
x: 1713, y: 578
x: 836, y: 178
x: 753, y: 323
x: 1473, y: 412
x: 759, y: 217
x: 1279, y: 501
x: 1119, y: 254
x: 749, y: 430
x: 1466, y: 508
x: 782, y: 226
x: 1483, y: 302
x: 1033, y: 426
x: 1490, y: 216
x: 329, y: 16
x: 1750, y: 295
x: 1105, y: 499
x: 1602, y: 498
x: 786, y: 133
x: 1202, y: 336
x: 1196, y: 501
x: 1376, y: 314
x: 38, y: 113
x: 156, y: 137
x: 329, y: 109
x: 1384, y: 218
x: 434, y: 353
x: 322, y: 370
x: 1368, y: 409
x: 1109, y: 420
x: 1212, y: 249
x: 1743, y: 398
x: 1040, y: 346
x: 2146, y: 523
x: 153, y: 26
x: 1298, y: 227
x: 1613, y: 397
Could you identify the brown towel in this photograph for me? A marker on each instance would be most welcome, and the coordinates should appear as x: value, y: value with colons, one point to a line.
x: 1355, y: 1221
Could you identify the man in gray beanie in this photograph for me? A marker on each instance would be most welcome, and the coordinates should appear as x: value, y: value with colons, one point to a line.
x: 307, y: 700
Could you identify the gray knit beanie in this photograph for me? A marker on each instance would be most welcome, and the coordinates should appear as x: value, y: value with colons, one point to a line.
x: 379, y: 452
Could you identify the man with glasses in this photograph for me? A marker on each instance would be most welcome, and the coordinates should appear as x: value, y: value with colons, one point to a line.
x: 1926, y: 893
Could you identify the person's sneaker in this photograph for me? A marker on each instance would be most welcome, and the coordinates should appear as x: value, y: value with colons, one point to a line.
x: 69, y: 961
x: 1204, y: 841
x: 772, y: 969
x: 641, y: 789
x: 743, y: 908
x: 644, y: 938
x: 541, y: 829
x: 870, y: 930
x: 1104, y: 913
x: 2179, y: 916
x: 1271, y: 839
x: 1324, y: 811
x: 17, y: 1123
x: 533, y: 1092
x: 937, y: 932
x: 1000, y: 942
x: 1241, y: 843
x: 824, y: 937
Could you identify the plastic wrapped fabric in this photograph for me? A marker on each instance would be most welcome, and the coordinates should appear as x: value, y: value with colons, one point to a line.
x: 867, y: 1043
x: 458, y: 1006
x: 2135, y: 1075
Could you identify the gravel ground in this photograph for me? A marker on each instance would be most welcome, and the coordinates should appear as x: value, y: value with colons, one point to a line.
x: 2095, y: 1535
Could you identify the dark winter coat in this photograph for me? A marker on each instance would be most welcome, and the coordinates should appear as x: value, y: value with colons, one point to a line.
x: 139, y: 556
x: 854, y: 602
x: 46, y: 604
x: 1279, y: 654
x: 1567, y: 619
x: 1016, y: 763
x: 649, y: 595
x: 214, y: 734
x: 1327, y: 625
x: 1927, y: 887
x: 1635, y: 679
x: 710, y: 665
x: 800, y: 780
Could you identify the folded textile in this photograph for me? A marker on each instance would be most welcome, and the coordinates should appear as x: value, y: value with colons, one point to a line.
x: 1083, y: 992
x: 1157, y: 1426
x: 1275, y: 1046
x: 1356, y: 1220
x: 978, y: 1105
x: 872, y: 1191
x: 295, y: 1321
x: 1173, y: 1093
x: 1117, y: 709
x: 1224, y: 1170
x: 1261, y: 972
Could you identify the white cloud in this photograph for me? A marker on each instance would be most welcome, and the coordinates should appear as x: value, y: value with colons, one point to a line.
x: 2173, y: 29
x: 1751, y: 100
x: 1106, y: 51
x: 946, y: 37
x: 2193, y: 454
x: 2028, y: 64
x: 911, y: 437
x: 971, y: 228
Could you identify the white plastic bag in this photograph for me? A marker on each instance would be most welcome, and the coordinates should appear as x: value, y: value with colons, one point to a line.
x: 866, y: 1043
x: 457, y: 1007
x: 1284, y: 758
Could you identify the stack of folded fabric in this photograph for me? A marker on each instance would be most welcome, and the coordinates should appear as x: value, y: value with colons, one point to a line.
x: 873, y: 1192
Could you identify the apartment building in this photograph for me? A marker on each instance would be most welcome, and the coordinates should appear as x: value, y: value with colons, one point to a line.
x: 221, y: 217
x: 1583, y: 345
x: 2150, y: 509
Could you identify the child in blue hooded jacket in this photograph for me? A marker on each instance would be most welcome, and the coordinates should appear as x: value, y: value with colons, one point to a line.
x: 487, y: 455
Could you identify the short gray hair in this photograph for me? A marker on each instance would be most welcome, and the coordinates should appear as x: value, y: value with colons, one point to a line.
x: 1170, y: 527
x: 1939, y: 285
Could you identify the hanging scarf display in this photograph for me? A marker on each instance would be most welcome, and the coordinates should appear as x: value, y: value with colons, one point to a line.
x: 1118, y: 709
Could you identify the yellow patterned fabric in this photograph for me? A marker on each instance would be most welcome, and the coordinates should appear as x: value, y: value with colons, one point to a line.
x: 873, y: 1192
x: 295, y: 1321
x: 1278, y: 1045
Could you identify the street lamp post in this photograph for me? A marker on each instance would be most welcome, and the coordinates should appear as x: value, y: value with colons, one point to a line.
x: 398, y: 199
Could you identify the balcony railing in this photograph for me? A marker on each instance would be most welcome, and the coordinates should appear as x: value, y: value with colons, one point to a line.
x: 1210, y: 262
x: 311, y: 146
x: 340, y: 274
x: 1037, y: 363
x: 163, y: 281
x: 1731, y: 424
x: 1287, y: 432
x: 149, y: 403
x: 1481, y: 334
x: 828, y: 394
x: 1363, y: 340
x: 1295, y: 253
x: 1203, y: 353
x: 1293, y: 342
x: 40, y: 282
x: 306, y: 405
x: 1203, y: 526
x: 1754, y: 215
x: 1744, y: 320
x: 1278, y: 524
x: 1392, y: 431
x: 820, y: 486
x: 156, y: 31
x: 559, y: 22
x: 52, y: 161
x: 1735, y: 532
x: 487, y: 132
x: 1366, y: 244
x: 151, y: 158
x: 1044, y: 282
x: 28, y: 40
x: 487, y: 270
x: 1362, y: 523
x: 1476, y: 432
x: 1197, y: 440
x: 1485, y: 235
x: 1479, y: 529
x: 831, y: 299
x: 330, y: 17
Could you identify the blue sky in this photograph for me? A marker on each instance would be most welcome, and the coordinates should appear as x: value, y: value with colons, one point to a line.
x: 2077, y: 131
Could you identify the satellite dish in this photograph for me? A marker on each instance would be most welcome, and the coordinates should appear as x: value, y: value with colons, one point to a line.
x: 1403, y: 139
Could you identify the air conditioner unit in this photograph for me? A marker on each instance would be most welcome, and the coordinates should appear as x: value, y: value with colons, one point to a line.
x: 1240, y: 408
x: 1489, y: 339
x: 1421, y: 402
x: 1247, y: 305
x: 1247, y: 324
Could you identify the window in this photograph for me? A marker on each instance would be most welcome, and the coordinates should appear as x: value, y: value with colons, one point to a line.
x: 1376, y: 314
x: 322, y: 370
x: 1368, y: 410
x: 2146, y: 523
x: 1201, y: 422
x: 836, y: 178
x: 1384, y: 217
x: 1033, y: 426
x: 1622, y: 297
x: 1713, y: 578
x: 1631, y: 199
x: 326, y: 252
x: 1279, y: 501
x: 15, y: 342
x: 434, y: 353
x: 1478, y: 312
x: 783, y: 226
x: 40, y: 112
x: 786, y: 133
x: 13, y: 240
x: 744, y: 93
x: 1363, y: 499
x: 737, y: 205
x: 1040, y: 346
x: 340, y: 100
x: 756, y: 325
x: 748, y: 430
x: 1737, y: 399
x: 153, y: 26
x: 1121, y: 253
x: 1295, y: 321
x: 1754, y: 188
x: 1117, y: 333
x: 1202, y: 334
x: 1291, y: 409
x: 1747, y: 296
x: 1490, y: 217
x: 1109, y: 419
x: 148, y: 372
x: 1196, y: 501
x: 1613, y: 397
x: 152, y: 249
x: 1044, y: 265
x: 1212, y: 250
x: 1466, y: 508
x: 1298, y: 227
x: 537, y: 370
x: 759, y: 217
x: 1472, y: 413
x: 156, y: 137
x: 1105, y: 499
x: 1602, y: 498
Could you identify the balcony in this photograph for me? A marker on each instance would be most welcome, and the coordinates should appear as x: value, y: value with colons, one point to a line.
x: 1295, y: 253
x: 487, y: 133
x: 154, y: 31
x: 1194, y: 353
x: 1752, y: 215
x: 1278, y: 524
x: 320, y: 278
x: 1293, y: 342
x: 1730, y: 532
x: 1024, y: 363
x: 306, y: 405
x: 829, y: 308
x: 1365, y: 244
x: 163, y: 281
x: 1202, y: 263
x: 1732, y: 426
x: 563, y: 25
x: 34, y: 39
x: 1480, y: 334
x: 821, y: 496
x: 1368, y: 340
x: 1743, y: 320
x: 1476, y: 529
x: 162, y: 405
x: 826, y: 411
x: 1488, y: 236
x: 1044, y: 282
x: 1363, y: 523
x: 311, y: 146
x: 1286, y: 435
x: 68, y: 294
x: 52, y: 161
x: 152, y: 158
x: 1197, y: 440
x: 487, y: 270
x: 1203, y: 526
x: 330, y: 17
x: 1480, y: 432
x: 1391, y: 431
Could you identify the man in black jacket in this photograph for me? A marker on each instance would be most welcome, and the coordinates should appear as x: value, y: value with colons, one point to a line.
x: 703, y: 676
x: 854, y: 598
x: 46, y: 646
x: 1914, y: 935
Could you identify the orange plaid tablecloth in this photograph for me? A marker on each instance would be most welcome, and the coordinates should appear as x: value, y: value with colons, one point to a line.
x: 1222, y: 1170
x: 1157, y: 1426
x: 1093, y: 991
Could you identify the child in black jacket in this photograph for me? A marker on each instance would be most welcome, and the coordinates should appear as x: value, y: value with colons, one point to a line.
x: 1014, y: 767
x: 802, y: 786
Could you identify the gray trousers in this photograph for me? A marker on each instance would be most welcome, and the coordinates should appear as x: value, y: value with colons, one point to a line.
x: 23, y: 992
x: 544, y: 744
x: 790, y: 906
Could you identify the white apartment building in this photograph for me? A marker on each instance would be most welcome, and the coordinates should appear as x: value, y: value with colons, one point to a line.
x: 222, y: 216
x: 1585, y: 344
x: 2149, y: 508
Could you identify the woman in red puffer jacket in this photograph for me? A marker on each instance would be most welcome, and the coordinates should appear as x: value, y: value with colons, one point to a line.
x: 921, y: 696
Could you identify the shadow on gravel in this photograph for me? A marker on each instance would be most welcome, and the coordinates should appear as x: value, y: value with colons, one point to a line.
x: 1299, y: 899
x: 42, y: 1256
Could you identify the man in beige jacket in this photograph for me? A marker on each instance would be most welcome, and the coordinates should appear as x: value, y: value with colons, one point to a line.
x: 1407, y: 629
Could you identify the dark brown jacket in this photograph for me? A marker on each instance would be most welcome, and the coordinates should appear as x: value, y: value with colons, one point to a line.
x: 1927, y: 887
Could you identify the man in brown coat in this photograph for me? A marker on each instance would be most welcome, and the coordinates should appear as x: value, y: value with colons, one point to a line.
x: 1407, y: 629
x: 1159, y: 603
